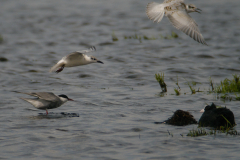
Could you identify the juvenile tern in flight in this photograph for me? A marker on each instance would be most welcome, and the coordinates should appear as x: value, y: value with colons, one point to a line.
x: 46, y: 100
x: 77, y: 58
x: 177, y: 12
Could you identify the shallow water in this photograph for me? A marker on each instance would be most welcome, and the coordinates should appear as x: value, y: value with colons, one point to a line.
x: 117, y: 101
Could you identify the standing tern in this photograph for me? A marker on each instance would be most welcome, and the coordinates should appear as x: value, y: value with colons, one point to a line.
x: 46, y: 100
x: 177, y: 12
x: 77, y: 58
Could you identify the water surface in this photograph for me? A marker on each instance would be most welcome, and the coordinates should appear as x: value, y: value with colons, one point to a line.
x: 117, y: 101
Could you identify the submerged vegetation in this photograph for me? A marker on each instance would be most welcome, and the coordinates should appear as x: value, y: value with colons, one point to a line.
x: 140, y: 37
x: 203, y: 132
x: 114, y: 37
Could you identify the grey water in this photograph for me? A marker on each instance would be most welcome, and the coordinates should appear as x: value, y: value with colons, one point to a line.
x: 118, y: 101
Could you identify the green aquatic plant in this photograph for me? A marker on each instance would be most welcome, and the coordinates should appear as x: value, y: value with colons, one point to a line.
x: 149, y: 38
x: 203, y: 132
x: 200, y: 132
x: 160, y: 79
x: 145, y: 37
x: 226, y: 128
x: 135, y: 36
x: 211, y: 83
x: 191, y: 86
x: 228, y: 86
x: 225, y: 97
x: 237, y: 97
x: 174, y: 35
x: 177, y: 90
x: 114, y: 37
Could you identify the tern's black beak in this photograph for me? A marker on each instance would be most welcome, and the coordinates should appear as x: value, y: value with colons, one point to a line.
x: 198, y: 10
x: 100, y: 62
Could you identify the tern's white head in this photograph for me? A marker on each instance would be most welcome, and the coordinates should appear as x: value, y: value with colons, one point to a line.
x: 64, y: 98
x: 92, y: 59
x: 192, y: 8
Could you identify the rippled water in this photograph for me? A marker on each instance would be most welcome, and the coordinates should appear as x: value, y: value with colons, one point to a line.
x: 119, y: 100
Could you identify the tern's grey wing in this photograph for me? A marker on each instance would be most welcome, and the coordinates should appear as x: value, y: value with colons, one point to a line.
x: 48, y: 96
x: 74, y: 59
x: 91, y: 49
x: 75, y: 55
x: 182, y: 21
x: 173, y: 1
x: 155, y: 11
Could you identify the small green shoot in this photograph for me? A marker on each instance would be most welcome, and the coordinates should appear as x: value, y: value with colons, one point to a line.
x: 211, y: 83
x: 149, y: 38
x: 160, y: 79
x: 191, y: 87
x: 177, y: 90
x: 114, y: 37
x: 174, y: 35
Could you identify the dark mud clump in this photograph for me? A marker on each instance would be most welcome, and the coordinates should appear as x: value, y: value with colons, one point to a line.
x: 181, y: 118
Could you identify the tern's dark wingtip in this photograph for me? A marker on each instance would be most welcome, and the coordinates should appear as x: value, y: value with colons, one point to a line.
x: 93, y: 48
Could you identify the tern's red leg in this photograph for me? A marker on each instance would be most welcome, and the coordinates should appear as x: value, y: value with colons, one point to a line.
x: 46, y: 112
x: 60, y: 69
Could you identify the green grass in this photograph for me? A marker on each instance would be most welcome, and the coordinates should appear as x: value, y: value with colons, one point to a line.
x: 160, y: 79
x: 200, y: 132
x: 229, y: 85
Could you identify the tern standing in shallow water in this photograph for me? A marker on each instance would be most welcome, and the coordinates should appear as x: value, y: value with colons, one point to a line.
x: 177, y: 12
x: 46, y: 100
x: 77, y: 58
